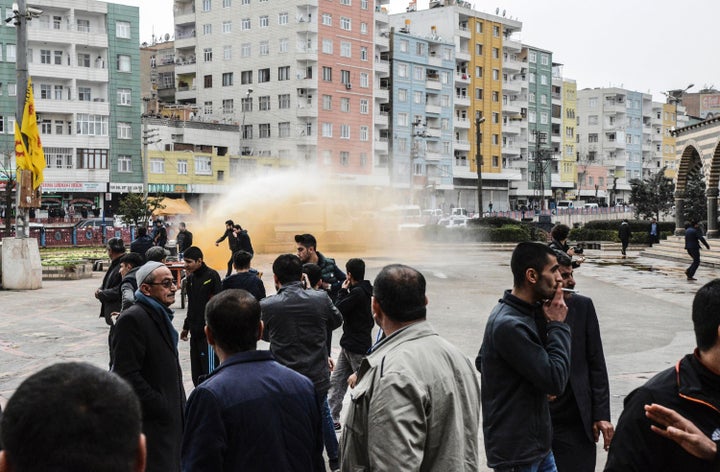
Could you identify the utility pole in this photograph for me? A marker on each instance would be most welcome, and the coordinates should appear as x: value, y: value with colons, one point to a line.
x: 21, y: 16
x: 147, y: 139
x: 479, y: 120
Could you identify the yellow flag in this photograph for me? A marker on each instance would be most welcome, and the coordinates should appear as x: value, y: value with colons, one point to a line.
x: 20, y: 151
x: 30, y: 129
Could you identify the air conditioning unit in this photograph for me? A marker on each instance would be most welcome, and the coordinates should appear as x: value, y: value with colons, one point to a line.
x: 348, y: 86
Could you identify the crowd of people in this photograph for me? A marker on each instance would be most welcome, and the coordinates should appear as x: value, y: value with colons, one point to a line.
x: 542, y: 398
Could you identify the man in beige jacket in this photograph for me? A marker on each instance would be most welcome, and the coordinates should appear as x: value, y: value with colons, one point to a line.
x: 416, y: 402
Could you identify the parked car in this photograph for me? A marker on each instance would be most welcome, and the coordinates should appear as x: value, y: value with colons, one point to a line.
x: 458, y: 221
x: 94, y: 222
x: 591, y: 205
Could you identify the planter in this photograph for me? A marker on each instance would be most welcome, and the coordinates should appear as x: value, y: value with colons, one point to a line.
x: 73, y: 271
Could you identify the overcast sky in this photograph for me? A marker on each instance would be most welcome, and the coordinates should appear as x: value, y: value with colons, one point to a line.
x: 642, y: 45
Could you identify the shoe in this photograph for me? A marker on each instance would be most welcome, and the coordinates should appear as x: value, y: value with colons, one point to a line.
x: 337, y: 426
x: 691, y: 278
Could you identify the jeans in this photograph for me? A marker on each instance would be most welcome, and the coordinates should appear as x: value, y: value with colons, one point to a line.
x: 546, y: 464
x: 348, y: 362
x: 695, y: 254
x: 328, y: 430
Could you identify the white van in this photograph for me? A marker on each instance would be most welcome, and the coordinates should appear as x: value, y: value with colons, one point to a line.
x: 565, y: 204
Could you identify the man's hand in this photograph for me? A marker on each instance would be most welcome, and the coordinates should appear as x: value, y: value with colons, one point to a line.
x: 97, y: 293
x: 682, y: 431
x: 352, y: 380
x: 346, y: 284
x: 331, y: 364
x: 217, y: 244
x: 607, y: 430
x: 184, y: 335
x: 556, y: 309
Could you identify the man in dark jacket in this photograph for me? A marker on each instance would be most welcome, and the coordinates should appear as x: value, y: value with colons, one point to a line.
x: 624, y: 235
x: 243, y: 239
x: 145, y: 354
x: 184, y: 239
x: 518, y: 369
x: 582, y: 412
x: 251, y: 413
x: 354, y: 304
x: 693, y: 238
x: 142, y: 243
x: 244, y: 277
x: 691, y: 388
x: 229, y: 234
x: 109, y: 292
x: 332, y: 276
x: 202, y: 284
x: 296, y: 325
x: 159, y: 233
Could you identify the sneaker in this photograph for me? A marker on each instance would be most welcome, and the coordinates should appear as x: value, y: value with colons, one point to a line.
x: 691, y: 278
x: 337, y: 426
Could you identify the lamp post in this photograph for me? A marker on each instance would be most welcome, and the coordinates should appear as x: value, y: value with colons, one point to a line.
x: 478, y: 159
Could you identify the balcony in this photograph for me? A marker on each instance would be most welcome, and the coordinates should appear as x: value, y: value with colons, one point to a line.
x: 462, y: 55
x: 461, y: 123
x: 433, y: 156
x: 185, y: 93
x: 511, y: 108
x: 90, y: 74
x: 381, y: 119
x: 433, y: 84
x: 462, y: 145
x: 511, y: 127
x: 512, y: 45
x: 511, y: 149
x: 511, y: 86
x: 381, y: 145
x: 306, y: 111
x: 382, y: 67
x: 462, y: 100
x: 185, y: 17
x: 307, y: 54
x: 185, y: 68
x: 512, y: 65
x: 462, y: 78
x: 382, y: 95
x: 433, y: 109
x: 99, y: 106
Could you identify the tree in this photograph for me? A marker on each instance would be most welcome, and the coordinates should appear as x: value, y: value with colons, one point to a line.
x: 137, y: 209
x: 652, y: 196
x: 695, y: 201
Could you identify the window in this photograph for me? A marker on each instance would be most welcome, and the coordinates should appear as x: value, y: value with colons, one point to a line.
x: 478, y: 49
x: 85, y: 94
x: 345, y: 49
x: 418, y: 96
x: 207, y: 81
x: 92, y: 158
x: 364, y: 80
x: 124, y: 130
x: 344, y: 158
x: 246, y: 77
x: 227, y: 52
x: 124, y: 96
x: 264, y: 103
x: 419, y: 72
x: 420, y: 49
x: 227, y: 26
x: 532, y: 56
x: 345, y: 23
x: 496, y: 53
x: 402, y: 95
x: 83, y: 26
x: 245, y: 24
x: 496, y: 31
x: 57, y: 58
x: 264, y: 48
x: 363, y: 53
x: 264, y: 130
x: 182, y: 166
x: 496, y: 96
x: 263, y: 75
x: 327, y: 46
x: 247, y: 132
x: 122, y: 29
x: 479, y: 94
x: 45, y: 91
x: 123, y: 63
x: 228, y: 105
x: 364, y: 106
x: 363, y: 28
x: 264, y: 21
x: 203, y: 165
x: 283, y: 47
x: 284, y: 73
x: 327, y: 130
x: 245, y: 50
x: 83, y: 60
x: 124, y: 163
x: 207, y: 108
x: 283, y: 18
x: 478, y: 27
x: 46, y: 126
x: 544, y: 59
x: 45, y: 56
x: 345, y: 2
x: 284, y: 101
x: 207, y: 54
x: 92, y: 125
x: 157, y: 166
x: 496, y: 74
x: 404, y: 45
x: 327, y: 19
x: 207, y: 5
x: 284, y: 129
x: 344, y: 76
x: 402, y: 119
x: 364, y: 133
x: 227, y: 3
x: 207, y: 29
x: 227, y: 79
x: 246, y: 103
x: 327, y: 102
x: 345, y: 105
x: 402, y: 70
x: 327, y: 74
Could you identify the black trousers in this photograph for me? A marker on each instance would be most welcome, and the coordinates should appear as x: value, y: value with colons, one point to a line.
x: 573, y: 451
x: 199, y: 364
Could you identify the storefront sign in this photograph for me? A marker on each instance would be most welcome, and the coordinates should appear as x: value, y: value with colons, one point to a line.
x: 58, y: 187
x: 167, y: 188
x: 126, y: 188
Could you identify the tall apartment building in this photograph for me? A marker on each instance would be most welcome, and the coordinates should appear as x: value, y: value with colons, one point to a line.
x: 566, y: 181
x: 422, y: 110
x: 84, y: 62
x: 157, y: 67
x: 487, y: 81
x: 299, y: 79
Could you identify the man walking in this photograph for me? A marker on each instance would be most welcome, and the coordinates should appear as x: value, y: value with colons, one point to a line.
x: 144, y: 347
x: 202, y: 284
x: 519, y: 368
x: 297, y: 322
x: 624, y: 235
x: 159, y: 233
x: 244, y: 277
x: 693, y: 238
x: 184, y: 239
x: 142, y: 242
x: 332, y: 276
x: 691, y: 388
x: 354, y: 305
x: 229, y: 234
x: 252, y: 413
x: 109, y: 292
x: 654, y: 232
x: 582, y: 412
x: 415, y: 404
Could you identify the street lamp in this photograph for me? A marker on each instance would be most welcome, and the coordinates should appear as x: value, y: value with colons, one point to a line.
x: 478, y: 159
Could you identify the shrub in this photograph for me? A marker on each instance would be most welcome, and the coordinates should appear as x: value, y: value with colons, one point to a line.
x: 494, y: 221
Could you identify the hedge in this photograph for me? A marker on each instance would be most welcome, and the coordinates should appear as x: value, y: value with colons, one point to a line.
x: 588, y: 234
x: 479, y: 233
x: 636, y: 226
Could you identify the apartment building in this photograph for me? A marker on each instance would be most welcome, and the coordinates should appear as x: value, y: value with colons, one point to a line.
x: 488, y: 83
x: 157, y: 67
x: 422, y: 119
x: 84, y: 62
x: 299, y: 79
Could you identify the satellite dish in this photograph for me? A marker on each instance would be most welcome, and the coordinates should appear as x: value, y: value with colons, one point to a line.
x: 167, y: 36
x: 497, y: 10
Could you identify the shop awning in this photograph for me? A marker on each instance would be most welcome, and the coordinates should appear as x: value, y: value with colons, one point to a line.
x: 173, y: 206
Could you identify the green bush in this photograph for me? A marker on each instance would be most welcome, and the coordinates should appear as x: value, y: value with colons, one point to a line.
x: 493, y: 221
x: 636, y: 226
x: 510, y: 233
x: 588, y: 234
